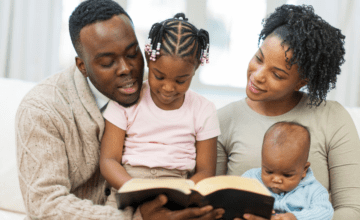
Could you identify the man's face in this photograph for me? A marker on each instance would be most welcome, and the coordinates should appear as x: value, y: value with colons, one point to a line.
x: 112, y: 59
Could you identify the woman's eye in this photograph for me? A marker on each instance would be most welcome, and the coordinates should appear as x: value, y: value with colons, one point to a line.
x: 277, y: 76
x: 258, y: 58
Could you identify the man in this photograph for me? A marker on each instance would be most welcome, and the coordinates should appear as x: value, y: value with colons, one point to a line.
x: 59, y: 124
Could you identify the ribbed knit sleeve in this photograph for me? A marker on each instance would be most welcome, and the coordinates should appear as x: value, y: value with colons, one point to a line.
x: 44, y: 174
x: 343, y: 162
x: 320, y: 207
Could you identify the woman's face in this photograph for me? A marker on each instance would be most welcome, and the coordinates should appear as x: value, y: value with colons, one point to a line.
x: 269, y: 78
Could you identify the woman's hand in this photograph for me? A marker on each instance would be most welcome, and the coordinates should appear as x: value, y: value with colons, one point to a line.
x: 154, y: 210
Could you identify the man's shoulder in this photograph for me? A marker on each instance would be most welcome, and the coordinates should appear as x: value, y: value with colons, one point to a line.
x: 50, y: 89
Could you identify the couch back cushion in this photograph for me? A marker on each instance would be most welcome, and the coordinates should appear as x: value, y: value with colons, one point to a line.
x: 11, y: 93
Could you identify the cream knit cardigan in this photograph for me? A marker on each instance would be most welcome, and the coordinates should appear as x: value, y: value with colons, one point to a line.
x: 58, y: 133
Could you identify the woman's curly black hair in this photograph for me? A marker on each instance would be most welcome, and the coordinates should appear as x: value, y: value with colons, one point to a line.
x: 318, y: 48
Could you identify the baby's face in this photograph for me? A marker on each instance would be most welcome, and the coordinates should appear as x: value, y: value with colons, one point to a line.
x: 280, y: 172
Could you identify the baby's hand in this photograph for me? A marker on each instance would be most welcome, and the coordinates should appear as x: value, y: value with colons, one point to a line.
x: 285, y: 216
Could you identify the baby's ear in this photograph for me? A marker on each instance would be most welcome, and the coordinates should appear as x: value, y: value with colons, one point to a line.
x: 307, y: 165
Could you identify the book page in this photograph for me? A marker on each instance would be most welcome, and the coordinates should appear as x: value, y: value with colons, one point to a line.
x: 137, y: 184
x: 212, y: 184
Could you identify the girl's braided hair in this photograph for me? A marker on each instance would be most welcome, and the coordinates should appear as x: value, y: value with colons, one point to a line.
x: 180, y: 38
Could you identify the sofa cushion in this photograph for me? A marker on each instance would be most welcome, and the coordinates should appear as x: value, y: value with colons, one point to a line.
x: 11, y: 93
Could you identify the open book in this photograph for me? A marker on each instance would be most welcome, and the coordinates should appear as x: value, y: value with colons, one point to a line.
x: 237, y: 195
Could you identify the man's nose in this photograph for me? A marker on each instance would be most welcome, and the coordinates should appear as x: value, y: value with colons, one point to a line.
x: 124, y: 67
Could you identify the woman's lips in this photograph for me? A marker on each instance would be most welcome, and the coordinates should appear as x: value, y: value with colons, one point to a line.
x: 253, y: 88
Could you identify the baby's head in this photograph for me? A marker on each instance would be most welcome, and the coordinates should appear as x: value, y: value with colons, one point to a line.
x: 284, y: 154
x: 175, y: 50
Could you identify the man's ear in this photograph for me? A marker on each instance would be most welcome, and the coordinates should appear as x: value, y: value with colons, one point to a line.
x: 301, y: 84
x: 307, y: 165
x: 81, y: 66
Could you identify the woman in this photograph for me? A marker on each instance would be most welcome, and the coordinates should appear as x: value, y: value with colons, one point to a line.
x: 298, y: 50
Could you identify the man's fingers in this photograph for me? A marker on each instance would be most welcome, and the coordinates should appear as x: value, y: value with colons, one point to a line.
x: 155, y: 204
x: 252, y: 217
x: 191, y: 213
x: 219, y: 213
x: 214, y: 214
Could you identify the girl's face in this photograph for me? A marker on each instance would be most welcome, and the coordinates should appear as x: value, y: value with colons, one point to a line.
x: 269, y: 78
x: 169, y: 79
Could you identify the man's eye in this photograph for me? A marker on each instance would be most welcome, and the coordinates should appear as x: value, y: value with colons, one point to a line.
x: 133, y: 55
x: 108, y: 65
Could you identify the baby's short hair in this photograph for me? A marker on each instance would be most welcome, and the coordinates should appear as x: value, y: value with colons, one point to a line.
x: 280, y: 140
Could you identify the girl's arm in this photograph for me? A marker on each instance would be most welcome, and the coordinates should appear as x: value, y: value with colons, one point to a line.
x: 205, y: 159
x: 111, y: 154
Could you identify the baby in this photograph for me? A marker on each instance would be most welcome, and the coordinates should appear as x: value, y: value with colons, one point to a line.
x: 286, y: 173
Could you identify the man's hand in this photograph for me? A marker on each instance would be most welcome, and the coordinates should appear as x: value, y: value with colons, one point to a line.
x: 155, y: 210
x: 285, y: 216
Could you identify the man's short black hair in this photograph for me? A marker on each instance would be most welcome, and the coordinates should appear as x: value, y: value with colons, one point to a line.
x: 89, y: 12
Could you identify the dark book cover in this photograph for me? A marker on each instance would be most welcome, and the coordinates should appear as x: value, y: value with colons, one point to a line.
x: 235, y: 202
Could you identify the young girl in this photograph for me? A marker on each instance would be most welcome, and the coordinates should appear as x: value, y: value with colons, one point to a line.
x: 171, y: 131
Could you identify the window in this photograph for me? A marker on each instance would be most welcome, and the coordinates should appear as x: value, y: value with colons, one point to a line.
x: 233, y: 29
x: 66, y: 50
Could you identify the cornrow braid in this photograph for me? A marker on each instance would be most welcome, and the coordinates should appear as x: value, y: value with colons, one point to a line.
x: 178, y: 37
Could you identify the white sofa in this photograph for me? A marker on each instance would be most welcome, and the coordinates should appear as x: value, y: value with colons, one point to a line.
x: 11, y: 93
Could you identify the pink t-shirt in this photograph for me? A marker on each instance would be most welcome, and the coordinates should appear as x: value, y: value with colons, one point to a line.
x: 162, y: 138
